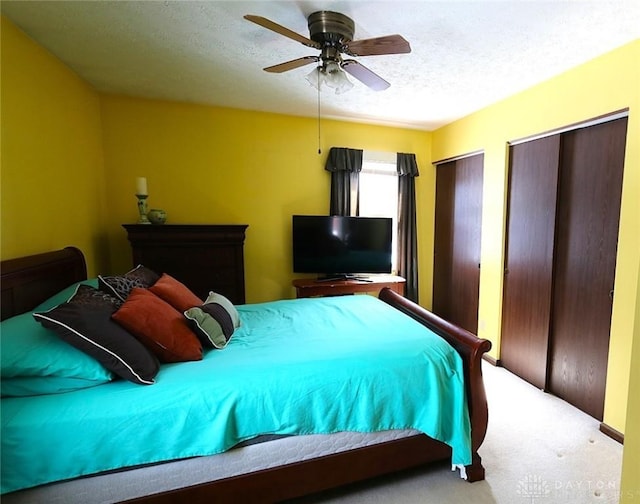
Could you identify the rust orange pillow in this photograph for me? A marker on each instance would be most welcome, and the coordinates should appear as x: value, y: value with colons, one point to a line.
x: 175, y: 293
x: 158, y: 326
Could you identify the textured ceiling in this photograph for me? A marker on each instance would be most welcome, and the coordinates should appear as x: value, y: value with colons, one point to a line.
x: 465, y: 54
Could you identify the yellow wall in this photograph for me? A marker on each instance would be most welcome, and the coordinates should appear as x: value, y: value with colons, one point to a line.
x: 52, y: 171
x: 630, y: 488
x: 216, y: 165
x: 601, y: 86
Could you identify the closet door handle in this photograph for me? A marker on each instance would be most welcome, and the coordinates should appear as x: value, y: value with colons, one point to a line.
x: 611, y: 294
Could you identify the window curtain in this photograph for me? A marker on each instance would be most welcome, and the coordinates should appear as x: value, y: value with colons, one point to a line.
x: 345, y: 166
x: 407, y: 234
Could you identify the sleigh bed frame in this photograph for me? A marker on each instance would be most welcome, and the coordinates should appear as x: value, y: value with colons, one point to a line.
x: 28, y: 281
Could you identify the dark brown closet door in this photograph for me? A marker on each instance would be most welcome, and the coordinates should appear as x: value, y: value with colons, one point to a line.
x: 456, y: 275
x: 526, y: 311
x: 586, y: 246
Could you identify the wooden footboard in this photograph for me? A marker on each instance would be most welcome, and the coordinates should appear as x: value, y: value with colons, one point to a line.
x: 28, y: 281
x: 471, y: 348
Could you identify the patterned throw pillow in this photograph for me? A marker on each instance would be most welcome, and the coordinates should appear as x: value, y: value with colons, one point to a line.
x: 121, y: 286
x: 85, y: 322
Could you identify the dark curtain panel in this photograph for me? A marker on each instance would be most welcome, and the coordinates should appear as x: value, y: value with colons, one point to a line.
x: 407, y: 234
x: 344, y: 165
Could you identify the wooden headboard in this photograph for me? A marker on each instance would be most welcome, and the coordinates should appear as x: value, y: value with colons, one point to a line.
x: 28, y: 281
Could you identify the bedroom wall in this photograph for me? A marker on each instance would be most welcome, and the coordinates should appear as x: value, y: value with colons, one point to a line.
x: 216, y: 165
x: 52, y: 191
x: 601, y: 86
x: 630, y: 487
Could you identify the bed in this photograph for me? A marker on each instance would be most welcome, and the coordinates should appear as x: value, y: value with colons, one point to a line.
x: 226, y: 477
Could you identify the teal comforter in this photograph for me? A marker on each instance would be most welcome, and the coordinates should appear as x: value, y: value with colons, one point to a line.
x: 302, y: 366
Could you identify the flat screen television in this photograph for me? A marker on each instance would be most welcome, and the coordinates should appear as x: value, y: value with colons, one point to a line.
x: 335, y: 247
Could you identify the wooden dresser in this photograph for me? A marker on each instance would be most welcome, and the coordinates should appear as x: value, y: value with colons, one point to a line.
x: 204, y: 257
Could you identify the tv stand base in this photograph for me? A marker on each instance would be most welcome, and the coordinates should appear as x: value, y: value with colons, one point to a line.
x: 334, y: 278
x: 309, y: 287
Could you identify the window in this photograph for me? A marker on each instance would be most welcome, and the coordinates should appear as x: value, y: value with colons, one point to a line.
x: 378, y: 191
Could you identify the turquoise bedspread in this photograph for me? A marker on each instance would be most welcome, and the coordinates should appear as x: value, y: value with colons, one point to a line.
x: 303, y: 366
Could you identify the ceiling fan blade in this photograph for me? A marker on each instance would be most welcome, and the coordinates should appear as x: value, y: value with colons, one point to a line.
x: 290, y: 65
x: 391, y: 44
x: 364, y: 75
x: 270, y: 25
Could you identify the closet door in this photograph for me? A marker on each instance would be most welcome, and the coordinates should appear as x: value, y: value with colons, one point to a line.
x: 458, y: 222
x: 585, y: 260
x: 526, y: 311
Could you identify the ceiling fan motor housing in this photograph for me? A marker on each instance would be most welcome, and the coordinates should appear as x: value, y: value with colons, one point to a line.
x: 331, y: 28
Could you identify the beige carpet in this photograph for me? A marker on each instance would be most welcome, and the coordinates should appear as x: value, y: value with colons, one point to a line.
x: 538, y: 450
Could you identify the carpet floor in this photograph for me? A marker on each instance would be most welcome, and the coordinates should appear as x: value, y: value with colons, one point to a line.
x: 538, y: 450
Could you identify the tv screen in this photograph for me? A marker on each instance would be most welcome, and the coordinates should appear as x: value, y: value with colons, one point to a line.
x: 341, y: 247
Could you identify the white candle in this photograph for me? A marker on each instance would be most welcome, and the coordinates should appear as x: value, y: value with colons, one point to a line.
x: 141, y: 186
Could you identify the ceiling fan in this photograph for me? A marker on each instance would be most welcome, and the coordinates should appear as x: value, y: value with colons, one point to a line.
x: 332, y: 33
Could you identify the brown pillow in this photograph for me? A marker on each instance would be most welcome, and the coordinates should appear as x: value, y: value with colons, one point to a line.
x: 175, y: 293
x: 159, y: 326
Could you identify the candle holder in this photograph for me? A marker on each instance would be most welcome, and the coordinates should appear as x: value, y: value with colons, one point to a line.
x: 142, y: 208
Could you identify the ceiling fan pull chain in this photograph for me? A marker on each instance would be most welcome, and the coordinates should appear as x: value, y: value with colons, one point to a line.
x: 319, y: 149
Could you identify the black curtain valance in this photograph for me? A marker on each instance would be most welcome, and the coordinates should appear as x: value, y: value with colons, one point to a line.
x: 407, y: 165
x: 343, y: 159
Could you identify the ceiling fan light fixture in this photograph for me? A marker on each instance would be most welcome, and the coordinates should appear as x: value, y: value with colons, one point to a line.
x: 331, y: 76
x: 314, y: 78
x: 339, y: 82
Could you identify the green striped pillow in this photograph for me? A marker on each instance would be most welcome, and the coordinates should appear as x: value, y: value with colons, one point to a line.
x: 215, y: 321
